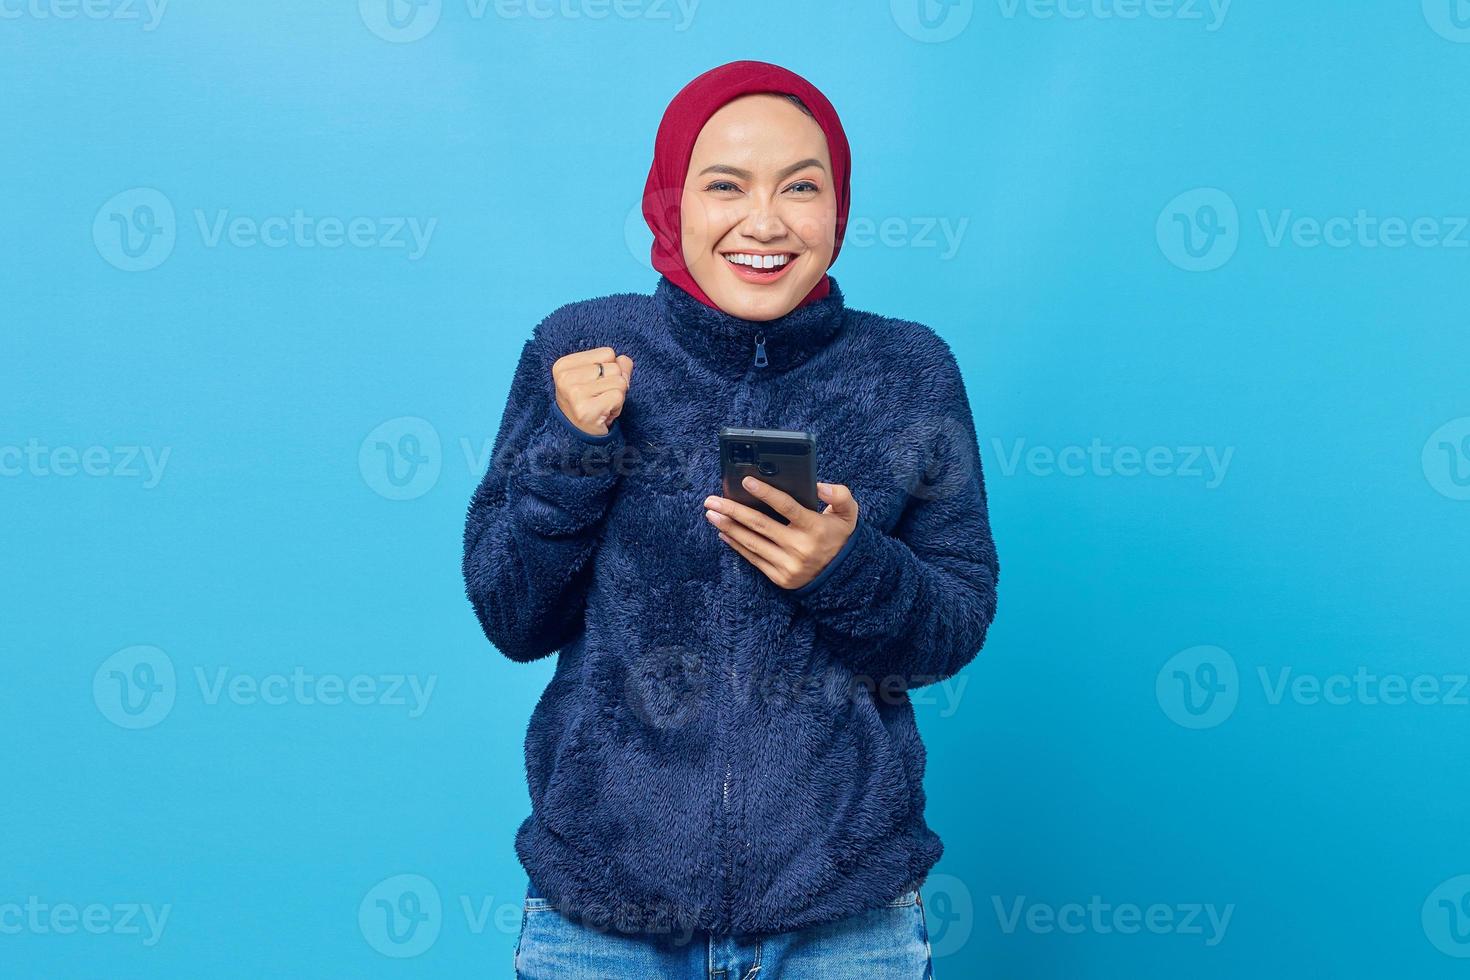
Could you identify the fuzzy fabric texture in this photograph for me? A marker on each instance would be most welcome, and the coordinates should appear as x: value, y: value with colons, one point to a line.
x: 714, y: 751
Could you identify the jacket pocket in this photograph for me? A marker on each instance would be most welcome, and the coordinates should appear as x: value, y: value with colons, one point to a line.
x: 629, y: 782
x: 882, y: 765
x: 835, y: 786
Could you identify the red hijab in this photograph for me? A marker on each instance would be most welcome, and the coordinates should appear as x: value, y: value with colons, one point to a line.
x: 682, y: 121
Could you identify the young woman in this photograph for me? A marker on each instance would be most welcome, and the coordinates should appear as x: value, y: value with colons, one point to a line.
x: 725, y: 773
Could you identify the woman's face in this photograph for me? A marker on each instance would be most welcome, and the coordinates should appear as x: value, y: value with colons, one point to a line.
x: 759, y: 184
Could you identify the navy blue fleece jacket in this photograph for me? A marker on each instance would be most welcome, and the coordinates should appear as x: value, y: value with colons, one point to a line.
x: 714, y: 751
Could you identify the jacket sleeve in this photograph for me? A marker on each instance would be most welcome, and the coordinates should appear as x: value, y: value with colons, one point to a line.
x: 917, y: 603
x: 534, y: 522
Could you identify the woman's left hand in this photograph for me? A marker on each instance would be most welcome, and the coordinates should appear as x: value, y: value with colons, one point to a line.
x: 790, y: 555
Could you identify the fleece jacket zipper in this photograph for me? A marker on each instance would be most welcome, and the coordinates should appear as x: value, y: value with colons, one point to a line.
x: 728, y: 845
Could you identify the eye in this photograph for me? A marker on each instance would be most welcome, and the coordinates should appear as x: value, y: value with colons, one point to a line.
x: 804, y: 186
x: 722, y: 185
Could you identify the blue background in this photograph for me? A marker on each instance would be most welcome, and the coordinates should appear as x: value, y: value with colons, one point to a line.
x: 1067, y: 766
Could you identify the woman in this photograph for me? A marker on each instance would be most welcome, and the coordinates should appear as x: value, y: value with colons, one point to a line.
x: 725, y: 773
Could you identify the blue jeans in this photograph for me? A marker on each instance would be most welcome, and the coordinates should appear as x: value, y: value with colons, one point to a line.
x: 889, y: 943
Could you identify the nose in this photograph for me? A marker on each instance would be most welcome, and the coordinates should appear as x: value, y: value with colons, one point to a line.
x: 763, y: 224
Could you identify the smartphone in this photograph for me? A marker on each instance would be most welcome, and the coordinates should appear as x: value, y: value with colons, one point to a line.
x: 786, y: 460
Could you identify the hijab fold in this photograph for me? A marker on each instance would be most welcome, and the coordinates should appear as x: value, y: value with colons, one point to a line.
x: 674, y: 146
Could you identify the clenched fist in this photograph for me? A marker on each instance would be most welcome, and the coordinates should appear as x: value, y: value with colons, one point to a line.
x: 591, y: 386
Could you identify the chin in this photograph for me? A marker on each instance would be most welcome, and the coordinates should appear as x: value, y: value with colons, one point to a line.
x: 755, y: 302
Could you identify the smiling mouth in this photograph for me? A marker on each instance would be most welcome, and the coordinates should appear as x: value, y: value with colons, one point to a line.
x: 760, y: 267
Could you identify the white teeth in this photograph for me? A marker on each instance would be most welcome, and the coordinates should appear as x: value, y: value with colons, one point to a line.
x: 758, y: 261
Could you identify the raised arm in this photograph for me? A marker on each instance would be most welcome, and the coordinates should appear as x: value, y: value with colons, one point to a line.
x: 533, y: 523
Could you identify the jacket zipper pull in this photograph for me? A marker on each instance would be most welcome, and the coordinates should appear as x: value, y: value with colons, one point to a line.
x: 760, y: 350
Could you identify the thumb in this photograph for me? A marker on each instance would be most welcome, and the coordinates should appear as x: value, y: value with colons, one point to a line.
x: 839, y: 500
x: 626, y: 363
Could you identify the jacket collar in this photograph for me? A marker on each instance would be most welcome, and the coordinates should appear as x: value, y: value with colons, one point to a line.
x: 727, y: 344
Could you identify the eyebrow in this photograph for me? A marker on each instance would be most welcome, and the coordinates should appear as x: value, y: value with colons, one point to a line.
x: 724, y: 168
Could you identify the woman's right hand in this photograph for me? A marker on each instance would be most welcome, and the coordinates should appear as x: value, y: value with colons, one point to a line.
x: 590, y: 401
